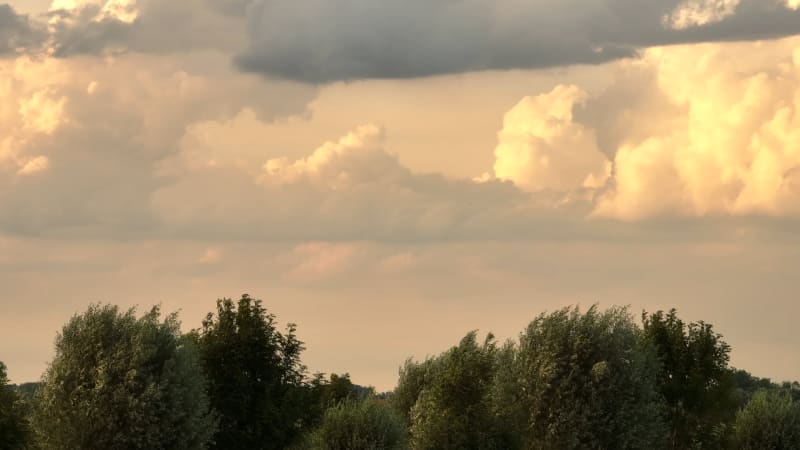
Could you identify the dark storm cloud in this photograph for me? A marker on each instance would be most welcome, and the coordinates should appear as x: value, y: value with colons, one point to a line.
x: 321, y: 41
x: 17, y: 33
x: 161, y: 26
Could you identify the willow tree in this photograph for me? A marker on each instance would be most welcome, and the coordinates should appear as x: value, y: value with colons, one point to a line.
x: 122, y: 382
x: 583, y: 380
x: 452, y: 409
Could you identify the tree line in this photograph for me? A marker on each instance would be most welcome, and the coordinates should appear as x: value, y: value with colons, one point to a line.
x: 572, y: 380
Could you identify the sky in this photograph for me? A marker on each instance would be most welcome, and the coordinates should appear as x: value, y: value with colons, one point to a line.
x: 392, y: 174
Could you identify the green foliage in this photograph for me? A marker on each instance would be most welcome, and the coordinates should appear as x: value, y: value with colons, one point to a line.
x: 255, y: 378
x: 14, y: 430
x: 582, y: 381
x: 694, y: 379
x: 121, y: 382
x: 452, y: 410
x: 366, y: 424
x: 771, y: 421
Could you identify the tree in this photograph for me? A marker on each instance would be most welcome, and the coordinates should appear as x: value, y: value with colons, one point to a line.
x: 770, y: 421
x: 583, y: 381
x: 255, y: 378
x: 749, y: 385
x: 333, y: 391
x: 510, y: 417
x: 366, y: 424
x: 694, y: 379
x: 452, y: 409
x: 14, y: 432
x: 122, y: 382
x: 413, y: 377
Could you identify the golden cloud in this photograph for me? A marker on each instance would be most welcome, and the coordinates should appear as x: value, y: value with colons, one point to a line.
x: 736, y: 147
x: 356, y: 155
x: 695, y: 130
x: 540, y: 146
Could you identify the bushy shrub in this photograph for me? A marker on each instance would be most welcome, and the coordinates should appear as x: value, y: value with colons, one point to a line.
x: 770, y: 421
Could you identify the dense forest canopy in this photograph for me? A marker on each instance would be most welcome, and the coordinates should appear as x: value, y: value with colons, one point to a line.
x: 573, y: 379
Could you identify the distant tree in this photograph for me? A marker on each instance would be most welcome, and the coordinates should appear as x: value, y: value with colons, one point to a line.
x: 452, y: 410
x: 27, y: 390
x: 750, y: 384
x: 583, y: 381
x: 747, y: 386
x: 14, y: 430
x: 255, y: 378
x: 336, y: 389
x: 694, y: 379
x: 365, y: 424
x: 122, y: 382
x: 792, y: 388
x: 320, y: 393
x: 771, y: 421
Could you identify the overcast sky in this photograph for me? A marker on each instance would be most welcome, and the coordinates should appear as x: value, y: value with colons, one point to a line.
x: 392, y: 174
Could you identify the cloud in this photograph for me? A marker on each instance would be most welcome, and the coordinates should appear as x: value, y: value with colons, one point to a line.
x: 41, y: 112
x: 80, y: 152
x: 124, y: 11
x: 685, y: 132
x: 83, y: 155
x: 191, y: 148
x: 346, y: 189
x: 211, y: 256
x: 28, y: 111
x: 321, y: 41
x: 540, y: 147
x: 731, y: 146
x: 35, y: 165
x: 324, y: 261
x: 17, y: 32
x: 352, y: 188
x: 692, y: 13
x: 355, y: 159
x: 102, y: 27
